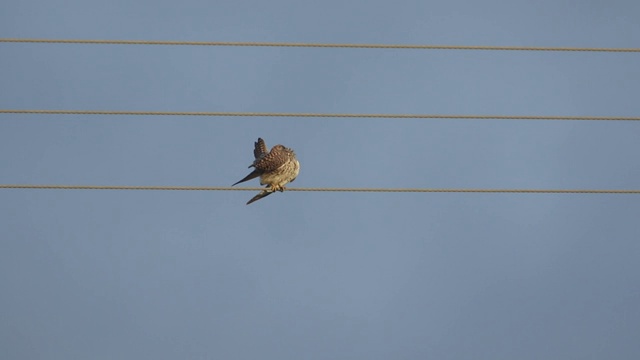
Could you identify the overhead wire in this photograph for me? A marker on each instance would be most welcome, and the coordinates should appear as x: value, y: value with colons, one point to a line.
x: 324, y: 115
x: 320, y: 189
x: 316, y: 45
x: 317, y: 115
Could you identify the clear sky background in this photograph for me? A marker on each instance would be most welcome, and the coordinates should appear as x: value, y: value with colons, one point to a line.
x: 309, y: 275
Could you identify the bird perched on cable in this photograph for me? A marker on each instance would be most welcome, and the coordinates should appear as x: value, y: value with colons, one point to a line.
x: 275, y: 168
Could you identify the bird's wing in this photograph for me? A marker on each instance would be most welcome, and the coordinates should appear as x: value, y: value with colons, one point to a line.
x: 254, y: 174
x: 261, y: 194
x: 272, y: 161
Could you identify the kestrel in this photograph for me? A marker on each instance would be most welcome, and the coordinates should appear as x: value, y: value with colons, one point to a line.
x: 275, y: 168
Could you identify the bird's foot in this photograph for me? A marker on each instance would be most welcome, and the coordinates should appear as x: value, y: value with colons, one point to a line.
x: 275, y: 188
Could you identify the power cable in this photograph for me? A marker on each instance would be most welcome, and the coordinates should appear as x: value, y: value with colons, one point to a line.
x: 385, y: 190
x: 319, y: 115
x: 316, y: 45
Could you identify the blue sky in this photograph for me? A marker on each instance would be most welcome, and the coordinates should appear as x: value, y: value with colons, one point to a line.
x: 200, y: 275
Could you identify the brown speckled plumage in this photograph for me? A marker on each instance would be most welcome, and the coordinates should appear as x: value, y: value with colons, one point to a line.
x: 275, y: 168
